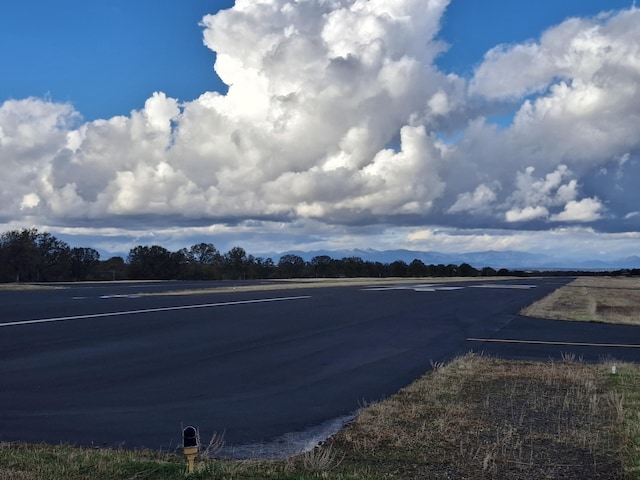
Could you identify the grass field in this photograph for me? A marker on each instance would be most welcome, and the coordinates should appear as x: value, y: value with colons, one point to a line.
x: 16, y: 287
x: 474, y: 418
x: 593, y: 299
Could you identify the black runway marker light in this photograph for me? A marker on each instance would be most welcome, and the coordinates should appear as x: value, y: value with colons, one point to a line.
x: 190, y: 445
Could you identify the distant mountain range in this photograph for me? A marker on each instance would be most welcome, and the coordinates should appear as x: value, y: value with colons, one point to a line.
x: 493, y: 259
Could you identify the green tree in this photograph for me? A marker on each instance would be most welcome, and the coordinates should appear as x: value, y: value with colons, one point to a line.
x: 84, y: 263
x: 466, y: 270
x: 28, y: 255
x: 153, y: 263
x: 399, y: 269
x: 264, y: 267
x: 417, y: 268
x: 203, y: 261
x: 323, y: 266
x: 451, y: 270
x: 19, y: 253
x: 488, y: 272
x: 53, y: 258
x: 352, y: 267
x: 113, y: 269
x: 235, y: 263
x: 291, y: 266
x: 204, y: 254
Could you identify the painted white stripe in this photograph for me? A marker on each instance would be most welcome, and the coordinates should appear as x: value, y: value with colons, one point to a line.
x: 436, y: 289
x: 544, y: 342
x: 108, y: 297
x: 503, y: 285
x: 385, y: 289
x: 422, y: 287
x: 152, y: 310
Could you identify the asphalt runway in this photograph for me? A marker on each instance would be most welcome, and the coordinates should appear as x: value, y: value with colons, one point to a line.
x: 105, y: 365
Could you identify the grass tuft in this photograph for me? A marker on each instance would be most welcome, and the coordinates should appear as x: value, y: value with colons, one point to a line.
x: 486, y: 418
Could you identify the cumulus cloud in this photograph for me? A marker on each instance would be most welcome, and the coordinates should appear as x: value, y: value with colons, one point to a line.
x: 585, y: 73
x: 334, y: 114
x: 535, y: 197
x: 317, y: 91
x: 578, y: 117
x: 526, y: 214
x: 478, y: 201
x: 586, y: 210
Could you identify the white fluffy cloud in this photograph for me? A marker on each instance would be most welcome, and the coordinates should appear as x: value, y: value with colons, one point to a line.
x: 317, y: 90
x: 478, y: 201
x: 584, y: 76
x: 333, y: 115
x: 586, y: 210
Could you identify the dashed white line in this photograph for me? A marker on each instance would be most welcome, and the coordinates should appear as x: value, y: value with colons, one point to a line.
x: 438, y: 287
x: 504, y: 285
x: 545, y: 342
x: 421, y: 287
x: 130, y: 295
x: 151, y: 310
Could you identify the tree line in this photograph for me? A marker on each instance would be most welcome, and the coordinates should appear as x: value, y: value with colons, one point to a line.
x: 28, y: 255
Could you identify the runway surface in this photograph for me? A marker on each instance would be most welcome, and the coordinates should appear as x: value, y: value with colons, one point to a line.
x: 105, y: 365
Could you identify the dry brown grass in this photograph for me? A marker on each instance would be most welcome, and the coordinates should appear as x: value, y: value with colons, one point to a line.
x: 594, y: 299
x: 27, y: 286
x: 487, y: 418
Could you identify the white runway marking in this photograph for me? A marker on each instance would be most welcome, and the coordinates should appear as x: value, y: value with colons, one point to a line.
x: 436, y: 289
x: 439, y: 287
x: 504, y: 285
x: 544, y: 342
x: 152, y: 310
x: 119, y: 296
x: 421, y: 287
x: 385, y: 289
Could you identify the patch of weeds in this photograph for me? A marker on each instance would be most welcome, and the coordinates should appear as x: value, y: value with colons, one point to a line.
x: 593, y: 299
x: 492, y: 419
x: 625, y: 387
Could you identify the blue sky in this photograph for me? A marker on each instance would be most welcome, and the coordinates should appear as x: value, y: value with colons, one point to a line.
x: 107, y: 58
x: 113, y: 137
x: 473, y: 27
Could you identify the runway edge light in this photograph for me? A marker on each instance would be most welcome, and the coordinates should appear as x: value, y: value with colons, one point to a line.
x: 190, y: 445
